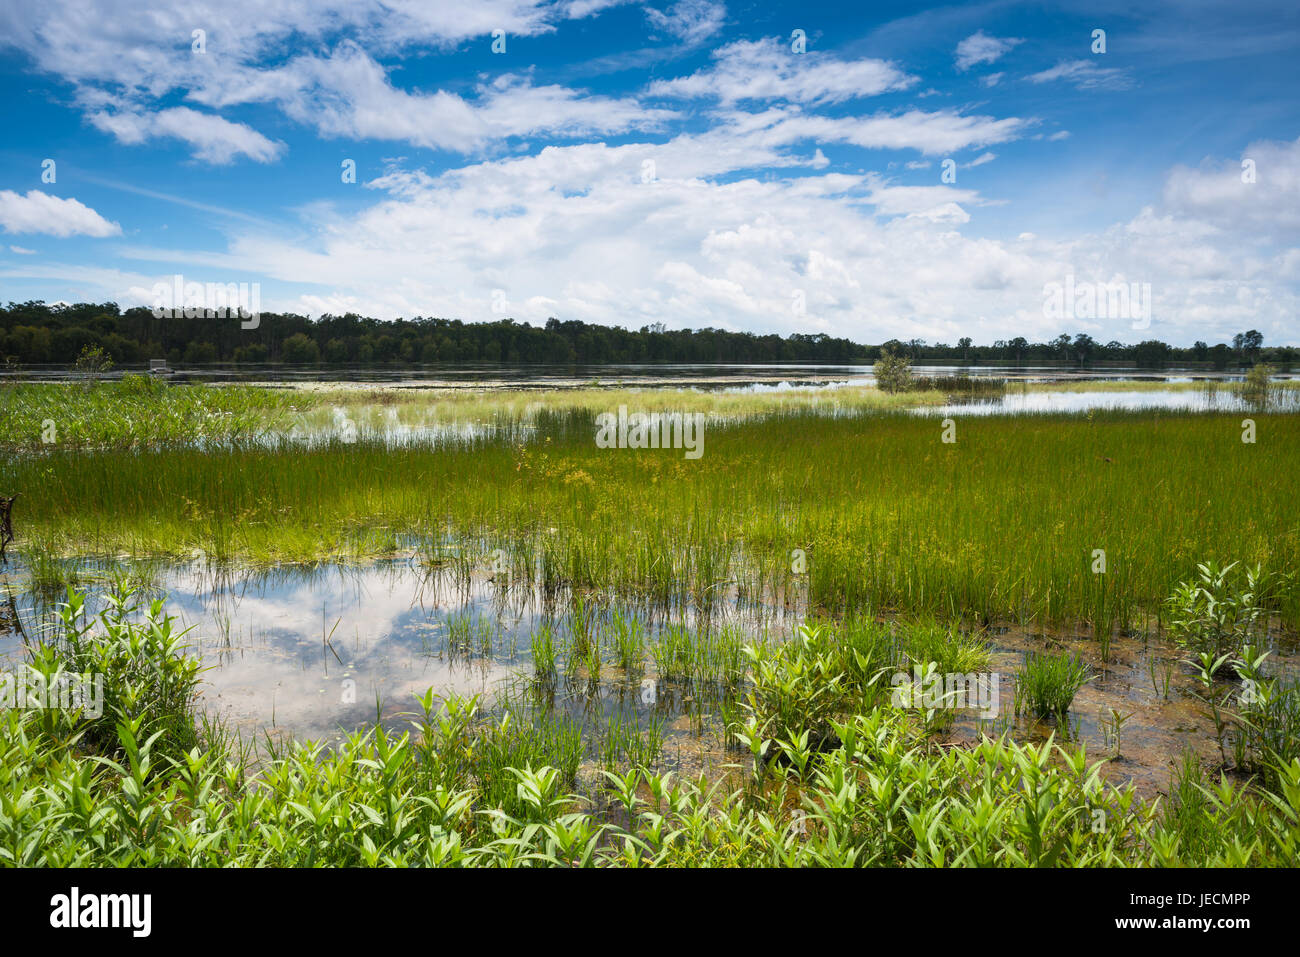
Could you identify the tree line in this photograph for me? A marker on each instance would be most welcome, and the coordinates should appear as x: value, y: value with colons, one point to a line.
x: 37, y: 333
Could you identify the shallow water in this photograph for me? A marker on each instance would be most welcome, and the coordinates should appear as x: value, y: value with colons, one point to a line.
x: 1193, y: 400
x: 308, y: 652
x: 411, y: 425
x: 323, y: 651
x: 490, y: 376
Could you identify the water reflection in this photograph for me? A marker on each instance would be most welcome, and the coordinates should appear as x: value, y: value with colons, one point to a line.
x: 1047, y: 403
x: 319, y: 651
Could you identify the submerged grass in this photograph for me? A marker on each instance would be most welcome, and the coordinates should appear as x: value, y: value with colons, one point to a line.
x: 1006, y: 522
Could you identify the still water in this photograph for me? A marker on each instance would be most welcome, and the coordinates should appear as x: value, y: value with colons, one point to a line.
x: 317, y: 652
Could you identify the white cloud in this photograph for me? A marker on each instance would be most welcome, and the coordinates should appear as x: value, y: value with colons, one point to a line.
x: 992, y: 79
x: 213, y: 139
x: 931, y: 202
x: 1085, y: 75
x: 981, y: 160
x: 979, y: 48
x: 1218, y: 193
x: 573, y: 232
x: 739, y: 212
x: 133, y: 58
x: 348, y: 94
x: 944, y: 131
x: 39, y: 212
x: 691, y: 21
x: 769, y: 70
x: 22, y: 250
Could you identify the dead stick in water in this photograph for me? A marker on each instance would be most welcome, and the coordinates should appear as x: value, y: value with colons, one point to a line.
x: 6, y: 524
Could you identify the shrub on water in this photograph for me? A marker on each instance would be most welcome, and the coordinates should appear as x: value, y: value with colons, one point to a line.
x: 1257, y: 385
x: 893, y: 372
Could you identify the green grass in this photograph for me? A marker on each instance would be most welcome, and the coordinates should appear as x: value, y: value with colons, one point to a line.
x: 910, y: 547
x: 136, y: 411
x: 1004, y: 523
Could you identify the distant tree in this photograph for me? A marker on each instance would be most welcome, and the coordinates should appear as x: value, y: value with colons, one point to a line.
x: 1151, y: 354
x: 1084, y: 347
x: 254, y: 353
x: 300, y: 349
x: 200, y: 353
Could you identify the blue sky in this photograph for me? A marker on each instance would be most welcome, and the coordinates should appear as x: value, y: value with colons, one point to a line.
x: 680, y: 162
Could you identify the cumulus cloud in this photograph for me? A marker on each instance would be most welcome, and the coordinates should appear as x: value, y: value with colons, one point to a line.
x: 574, y: 231
x: 1258, y: 193
x: 931, y: 202
x: 979, y: 48
x: 715, y: 222
x: 39, y: 212
x: 942, y: 131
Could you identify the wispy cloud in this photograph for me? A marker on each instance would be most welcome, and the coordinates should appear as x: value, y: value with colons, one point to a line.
x: 691, y: 21
x: 769, y: 70
x: 1085, y: 75
x: 979, y: 48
